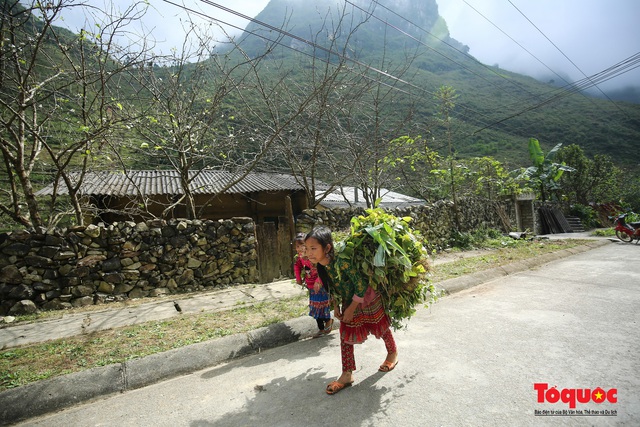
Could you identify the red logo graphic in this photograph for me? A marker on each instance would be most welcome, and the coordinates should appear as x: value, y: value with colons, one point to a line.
x: 573, y: 395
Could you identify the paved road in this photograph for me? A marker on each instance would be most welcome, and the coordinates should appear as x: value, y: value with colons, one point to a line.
x: 472, y: 359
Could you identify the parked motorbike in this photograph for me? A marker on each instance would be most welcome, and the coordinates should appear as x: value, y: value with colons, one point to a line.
x: 627, y: 231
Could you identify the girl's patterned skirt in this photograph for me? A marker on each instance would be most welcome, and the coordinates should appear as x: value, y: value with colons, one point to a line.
x: 370, y: 319
x: 319, y: 304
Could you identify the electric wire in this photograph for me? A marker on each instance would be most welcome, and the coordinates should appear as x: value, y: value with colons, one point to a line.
x: 616, y: 70
x: 563, y: 54
x: 567, y: 90
x: 537, y: 97
x: 276, y: 42
x: 426, y: 45
x: 570, y: 88
x: 622, y: 67
x: 451, y: 46
x: 326, y: 50
x: 339, y: 55
x: 514, y: 40
x: 490, y: 69
x: 521, y: 46
x: 543, y: 102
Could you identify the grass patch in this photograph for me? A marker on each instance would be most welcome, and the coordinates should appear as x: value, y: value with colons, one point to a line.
x: 605, y: 232
x: 23, y: 365
x: 503, y: 251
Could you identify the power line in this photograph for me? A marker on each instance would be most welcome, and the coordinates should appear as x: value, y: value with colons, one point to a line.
x: 433, y: 49
x: 564, y: 92
x: 303, y: 40
x: 451, y: 46
x: 622, y: 67
x: 514, y: 40
x: 204, y: 15
x: 563, y: 54
x: 575, y: 87
x: 538, y: 105
x: 522, y: 47
x: 322, y: 48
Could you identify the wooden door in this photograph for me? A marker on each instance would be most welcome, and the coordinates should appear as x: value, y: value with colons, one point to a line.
x: 274, y: 251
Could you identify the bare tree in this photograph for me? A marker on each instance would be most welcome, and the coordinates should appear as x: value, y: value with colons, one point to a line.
x: 189, y: 114
x: 338, y: 139
x: 344, y: 136
x: 446, y: 96
x: 314, y: 146
x: 377, y: 126
x: 62, y: 97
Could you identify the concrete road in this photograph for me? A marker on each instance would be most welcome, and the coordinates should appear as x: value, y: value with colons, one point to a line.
x: 473, y: 359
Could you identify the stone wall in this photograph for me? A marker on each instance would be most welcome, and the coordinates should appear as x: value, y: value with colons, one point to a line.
x: 97, y: 264
x: 100, y: 264
x: 435, y: 221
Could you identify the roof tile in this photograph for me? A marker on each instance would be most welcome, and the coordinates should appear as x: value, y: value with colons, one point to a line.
x: 158, y: 182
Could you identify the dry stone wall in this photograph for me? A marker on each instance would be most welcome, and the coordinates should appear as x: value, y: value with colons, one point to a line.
x: 434, y: 221
x: 99, y: 264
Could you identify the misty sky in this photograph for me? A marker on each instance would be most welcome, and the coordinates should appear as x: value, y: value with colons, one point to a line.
x: 593, y: 34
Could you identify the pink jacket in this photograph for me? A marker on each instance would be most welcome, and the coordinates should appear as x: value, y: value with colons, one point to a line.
x: 305, y: 270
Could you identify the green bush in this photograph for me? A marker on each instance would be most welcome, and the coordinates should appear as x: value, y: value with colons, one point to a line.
x: 633, y: 217
x: 587, y: 215
x: 390, y: 253
x: 473, y: 239
x: 604, y: 232
x: 493, y: 233
x: 460, y: 240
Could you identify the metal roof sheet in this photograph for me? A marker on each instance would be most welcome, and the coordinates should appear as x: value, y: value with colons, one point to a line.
x: 161, y: 182
x: 347, y: 197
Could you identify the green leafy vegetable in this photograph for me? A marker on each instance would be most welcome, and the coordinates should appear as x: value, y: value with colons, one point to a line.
x: 390, y: 253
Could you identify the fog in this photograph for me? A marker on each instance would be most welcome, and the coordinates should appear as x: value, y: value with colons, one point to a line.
x: 565, y: 37
x: 563, y: 40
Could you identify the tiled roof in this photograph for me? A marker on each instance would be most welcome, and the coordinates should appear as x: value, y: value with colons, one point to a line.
x: 150, y: 182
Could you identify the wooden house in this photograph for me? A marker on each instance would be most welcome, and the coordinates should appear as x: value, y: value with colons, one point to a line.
x: 272, y: 200
x: 138, y: 195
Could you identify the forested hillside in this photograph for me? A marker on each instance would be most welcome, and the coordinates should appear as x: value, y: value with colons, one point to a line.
x: 496, y: 111
x: 353, y: 95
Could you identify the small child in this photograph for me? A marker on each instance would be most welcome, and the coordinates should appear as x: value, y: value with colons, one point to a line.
x: 318, y: 297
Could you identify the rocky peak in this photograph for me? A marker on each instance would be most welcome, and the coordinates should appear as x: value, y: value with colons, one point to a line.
x: 370, y: 25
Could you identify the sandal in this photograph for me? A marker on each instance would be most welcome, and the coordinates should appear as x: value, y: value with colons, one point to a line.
x: 387, y: 366
x: 335, y: 386
x: 328, y: 327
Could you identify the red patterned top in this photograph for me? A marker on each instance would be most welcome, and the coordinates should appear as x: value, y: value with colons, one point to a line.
x: 305, y: 270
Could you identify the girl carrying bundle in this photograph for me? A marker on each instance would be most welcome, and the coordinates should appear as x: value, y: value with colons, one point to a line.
x: 375, y: 277
x: 361, y: 312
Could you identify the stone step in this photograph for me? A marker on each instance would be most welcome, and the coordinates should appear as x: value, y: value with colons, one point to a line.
x: 575, y: 223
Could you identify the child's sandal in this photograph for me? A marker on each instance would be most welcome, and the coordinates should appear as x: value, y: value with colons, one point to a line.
x: 334, y: 386
x: 328, y: 327
x: 387, y: 366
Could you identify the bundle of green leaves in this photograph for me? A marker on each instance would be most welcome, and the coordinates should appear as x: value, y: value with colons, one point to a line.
x: 387, y: 251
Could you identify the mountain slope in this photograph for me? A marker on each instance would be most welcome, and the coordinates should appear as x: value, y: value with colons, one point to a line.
x: 496, y: 112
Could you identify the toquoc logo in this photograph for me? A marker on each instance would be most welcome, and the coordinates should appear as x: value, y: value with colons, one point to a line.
x: 573, y: 395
